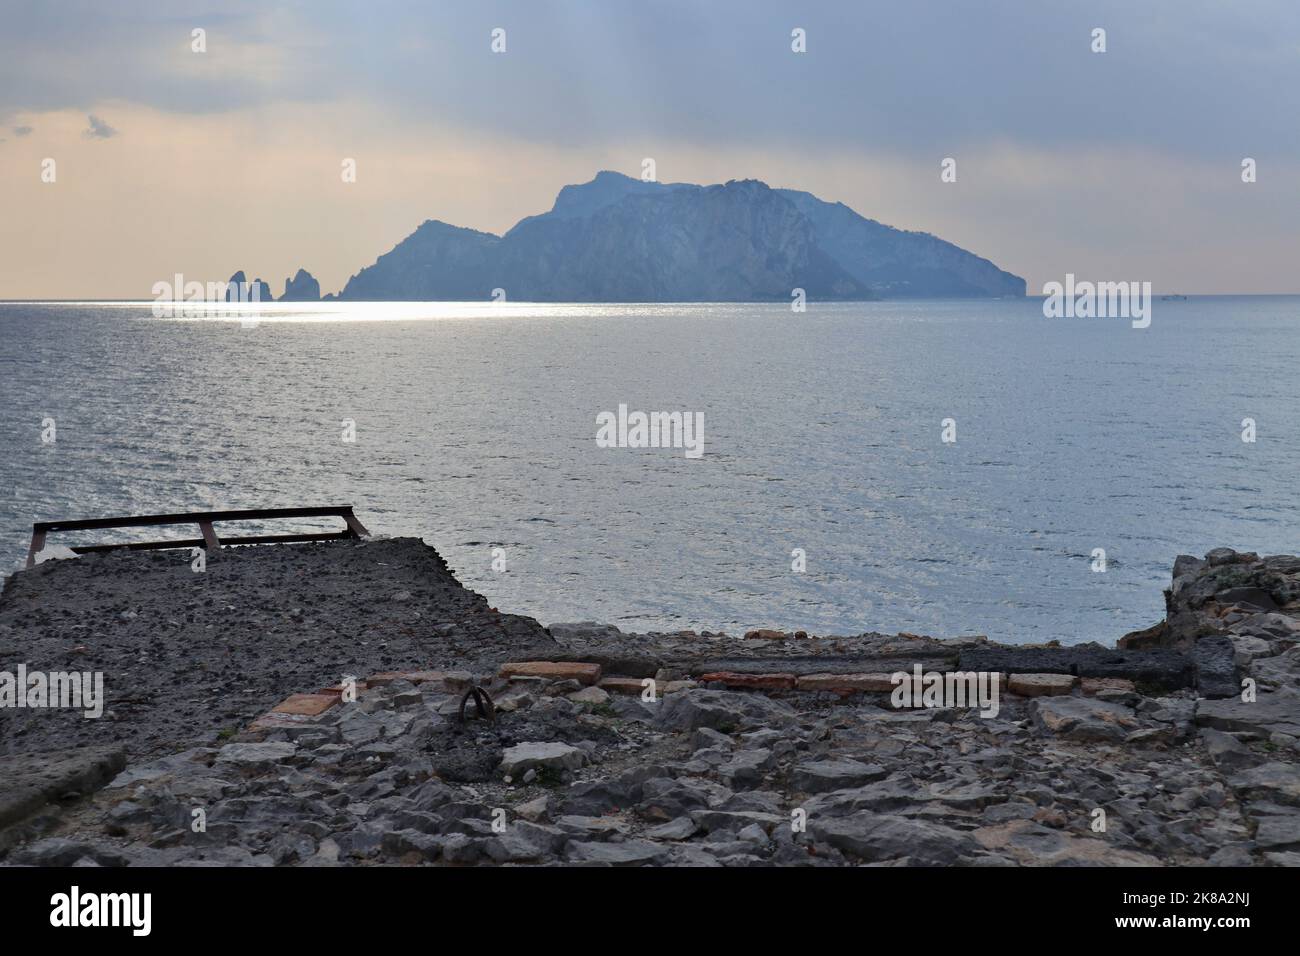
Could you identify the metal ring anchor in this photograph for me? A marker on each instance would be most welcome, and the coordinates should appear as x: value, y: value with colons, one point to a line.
x: 482, y: 703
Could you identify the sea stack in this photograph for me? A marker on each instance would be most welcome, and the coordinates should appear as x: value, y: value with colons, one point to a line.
x: 240, y: 290
x: 303, y: 287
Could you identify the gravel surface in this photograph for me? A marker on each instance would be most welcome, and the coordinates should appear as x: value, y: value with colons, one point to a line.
x: 1157, y: 753
x: 189, y: 655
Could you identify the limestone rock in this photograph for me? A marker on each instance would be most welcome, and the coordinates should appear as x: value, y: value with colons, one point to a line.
x: 878, y: 838
x: 541, y: 756
x: 590, y: 695
x: 820, y: 776
x: 1271, y: 712
x: 1032, y: 844
x: 846, y: 683
x: 1041, y: 685
x: 1083, y: 718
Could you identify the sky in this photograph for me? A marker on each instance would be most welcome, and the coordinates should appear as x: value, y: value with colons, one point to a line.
x: 1122, y: 165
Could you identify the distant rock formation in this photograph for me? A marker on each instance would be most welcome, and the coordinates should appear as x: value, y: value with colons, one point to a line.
x: 895, y: 263
x: 620, y: 239
x: 736, y: 242
x: 239, y: 289
x: 436, y: 262
x: 303, y: 287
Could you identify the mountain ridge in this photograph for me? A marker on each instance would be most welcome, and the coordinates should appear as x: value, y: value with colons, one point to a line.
x: 620, y: 239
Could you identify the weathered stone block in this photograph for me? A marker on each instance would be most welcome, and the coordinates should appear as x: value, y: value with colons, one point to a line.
x: 1041, y: 685
x: 846, y: 683
x: 306, y: 705
x: 553, y: 670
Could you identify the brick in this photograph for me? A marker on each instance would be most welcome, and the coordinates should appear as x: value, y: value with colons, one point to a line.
x: 1041, y: 685
x: 846, y: 683
x: 751, y: 681
x: 553, y: 670
x: 337, y: 689
x: 305, y: 705
x: 764, y: 634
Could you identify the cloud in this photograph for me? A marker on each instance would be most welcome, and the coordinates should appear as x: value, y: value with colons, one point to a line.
x: 276, y: 202
x: 98, y: 129
x: 1069, y: 160
x: 932, y: 76
x: 23, y: 131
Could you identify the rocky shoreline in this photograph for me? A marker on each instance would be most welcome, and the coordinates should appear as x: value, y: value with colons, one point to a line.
x: 231, y: 734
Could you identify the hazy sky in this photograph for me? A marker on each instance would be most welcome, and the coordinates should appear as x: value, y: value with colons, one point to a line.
x: 1117, y: 165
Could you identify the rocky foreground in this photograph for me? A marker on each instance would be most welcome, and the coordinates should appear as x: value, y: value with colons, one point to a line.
x: 232, y: 734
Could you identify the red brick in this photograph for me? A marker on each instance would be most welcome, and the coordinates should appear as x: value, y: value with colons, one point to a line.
x: 553, y: 670
x: 764, y: 634
x: 752, y: 681
x: 305, y: 705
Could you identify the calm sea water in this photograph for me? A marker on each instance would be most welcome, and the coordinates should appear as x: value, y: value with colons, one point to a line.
x: 476, y: 424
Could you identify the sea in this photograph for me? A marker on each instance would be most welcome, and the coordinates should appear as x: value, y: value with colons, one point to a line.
x: 947, y: 467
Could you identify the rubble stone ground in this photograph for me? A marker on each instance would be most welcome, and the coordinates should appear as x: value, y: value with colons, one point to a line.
x: 243, y: 745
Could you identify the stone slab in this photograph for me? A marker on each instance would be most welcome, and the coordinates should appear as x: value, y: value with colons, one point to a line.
x: 1041, y: 685
x: 32, y: 780
x: 1162, y: 666
x: 583, y: 673
x: 846, y: 683
x: 306, y: 705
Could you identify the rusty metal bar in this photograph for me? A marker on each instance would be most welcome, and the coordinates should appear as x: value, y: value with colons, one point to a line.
x: 38, y: 545
x: 355, y: 526
x: 190, y: 517
x: 225, y: 542
x: 210, y: 539
x: 205, y: 521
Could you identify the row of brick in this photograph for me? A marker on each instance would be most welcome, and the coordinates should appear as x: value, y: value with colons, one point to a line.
x: 589, y: 675
x: 1024, y: 685
x: 302, y: 708
x: 298, y: 709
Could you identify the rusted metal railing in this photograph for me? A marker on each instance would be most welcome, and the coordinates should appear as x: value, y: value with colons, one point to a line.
x: 205, y: 520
